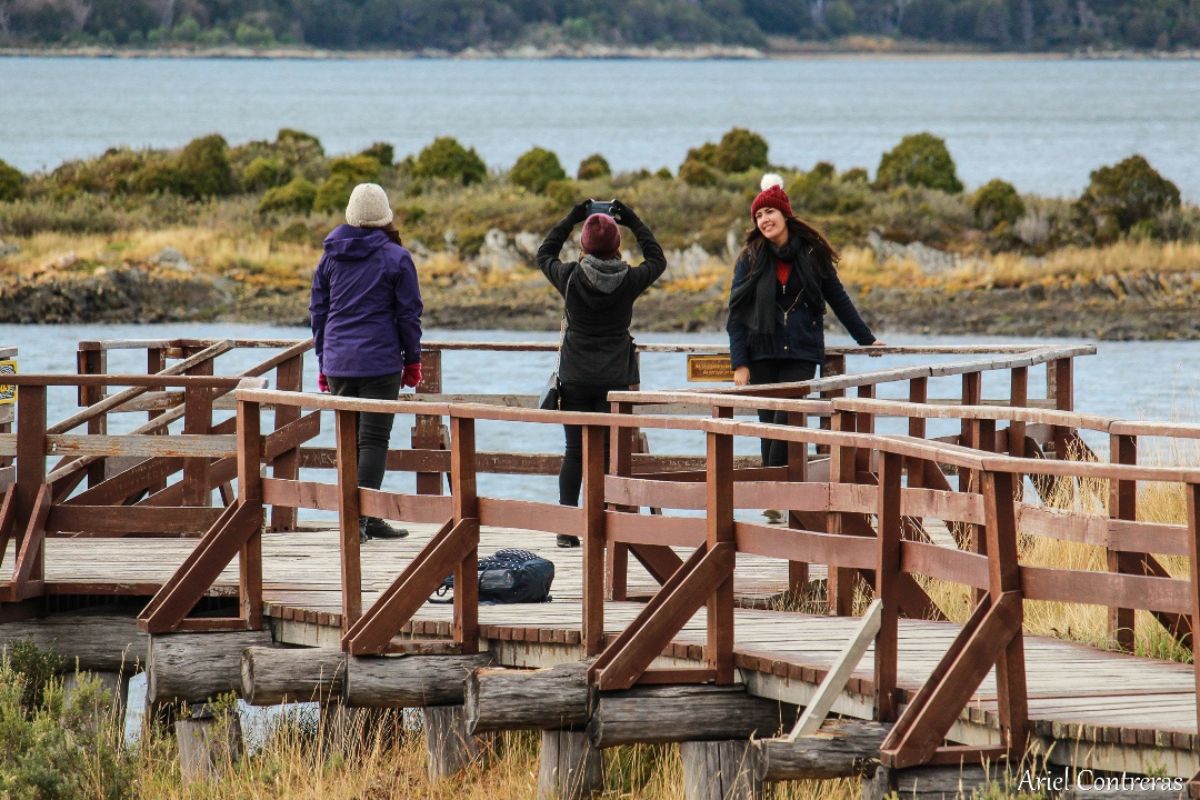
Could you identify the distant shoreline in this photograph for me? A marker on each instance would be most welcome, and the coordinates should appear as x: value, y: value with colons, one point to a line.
x: 871, y: 50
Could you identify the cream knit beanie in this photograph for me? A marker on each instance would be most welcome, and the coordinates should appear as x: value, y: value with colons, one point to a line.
x: 368, y: 207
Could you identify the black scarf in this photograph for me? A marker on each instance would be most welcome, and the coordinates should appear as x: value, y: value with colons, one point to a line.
x: 752, y: 302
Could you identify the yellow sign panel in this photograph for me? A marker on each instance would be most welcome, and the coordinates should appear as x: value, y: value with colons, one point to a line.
x: 8, y: 391
x: 709, y: 368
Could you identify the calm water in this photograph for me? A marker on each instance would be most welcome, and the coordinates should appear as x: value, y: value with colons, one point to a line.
x: 1129, y: 380
x: 1044, y: 125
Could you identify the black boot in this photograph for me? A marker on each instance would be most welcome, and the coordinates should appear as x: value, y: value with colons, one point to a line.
x: 565, y: 540
x: 375, y: 528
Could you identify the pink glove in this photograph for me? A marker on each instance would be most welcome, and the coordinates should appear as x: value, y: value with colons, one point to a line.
x: 412, y: 375
x: 322, y: 384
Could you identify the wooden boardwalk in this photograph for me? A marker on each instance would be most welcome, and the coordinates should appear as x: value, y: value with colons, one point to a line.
x: 1119, y: 711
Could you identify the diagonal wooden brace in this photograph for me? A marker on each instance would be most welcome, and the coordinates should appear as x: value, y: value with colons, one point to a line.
x: 8, y: 512
x: 654, y: 626
x: 31, y: 547
x: 201, y: 568
x: 924, y: 725
x: 373, y: 631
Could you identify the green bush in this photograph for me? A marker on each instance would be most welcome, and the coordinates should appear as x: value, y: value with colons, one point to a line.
x: 265, y: 172
x: 695, y: 172
x: 740, y: 150
x: 1124, y: 194
x: 995, y: 202
x: 445, y: 159
x: 919, y: 159
x: 12, y: 182
x: 592, y: 167
x: 855, y: 175
x: 158, y: 174
x: 298, y: 195
x: 359, y: 169
x: 299, y: 141
x: 382, y: 152
x: 51, y: 747
x: 535, y: 169
x: 204, y: 168
x: 334, y: 192
x: 813, y: 191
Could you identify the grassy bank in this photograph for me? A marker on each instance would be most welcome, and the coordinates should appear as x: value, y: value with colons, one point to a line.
x: 245, y: 222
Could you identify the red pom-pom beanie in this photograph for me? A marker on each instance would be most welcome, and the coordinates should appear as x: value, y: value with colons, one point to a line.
x: 772, y: 196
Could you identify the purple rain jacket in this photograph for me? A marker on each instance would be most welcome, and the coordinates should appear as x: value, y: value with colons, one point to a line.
x: 365, y: 305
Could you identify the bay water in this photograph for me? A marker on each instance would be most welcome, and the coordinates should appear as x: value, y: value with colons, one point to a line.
x: 1041, y: 123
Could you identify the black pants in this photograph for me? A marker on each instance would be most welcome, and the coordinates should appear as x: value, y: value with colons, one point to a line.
x: 778, y: 370
x: 579, y: 397
x: 374, y: 430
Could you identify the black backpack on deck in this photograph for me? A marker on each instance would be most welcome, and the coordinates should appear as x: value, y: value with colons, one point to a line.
x: 508, y: 576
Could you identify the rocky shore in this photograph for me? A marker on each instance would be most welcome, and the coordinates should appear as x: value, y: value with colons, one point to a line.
x: 1109, y: 307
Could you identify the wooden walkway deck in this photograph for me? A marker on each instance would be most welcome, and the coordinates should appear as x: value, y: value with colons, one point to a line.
x: 1116, y: 711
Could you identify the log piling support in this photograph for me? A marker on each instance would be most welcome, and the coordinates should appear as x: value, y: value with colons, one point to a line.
x: 194, y: 667
x: 515, y: 699
x: 450, y: 747
x: 571, y: 767
x: 683, y: 713
x: 210, y: 742
x: 719, y: 771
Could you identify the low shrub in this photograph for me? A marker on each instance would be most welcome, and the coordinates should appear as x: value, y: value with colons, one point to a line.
x: 264, y: 173
x: 445, y: 159
x: 738, y: 151
x: 333, y: 193
x: 536, y: 169
x: 1125, y: 194
x: 592, y: 167
x: 360, y: 168
x: 382, y: 152
x: 694, y: 172
x: 995, y: 202
x: 920, y: 159
x: 12, y: 182
x: 298, y: 195
x: 204, y: 169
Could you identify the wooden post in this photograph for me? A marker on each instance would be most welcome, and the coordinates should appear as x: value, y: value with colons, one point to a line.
x: 593, y: 541
x: 620, y: 462
x: 466, y: 512
x: 31, y: 475
x: 571, y: 767
x: 289, y: 377
x: 197, y: 419
x: 428, y: 432
x: 842, y: 468
x: 719, y: 771
x: 1193, y: 524
x: 797, y: 472
x: 972, y: 394
x: 887, y: 579
x: 1004, y: 575
x: 718, y: 651
x: 93, y: 362
x: 210, y: 742
x: 451, y: 749
x: 250, y: 491
x: 346, y: 424
x: 156, y: 361
x: 1122, y: 505
x: 834, y: 365
x: 1060, y: 387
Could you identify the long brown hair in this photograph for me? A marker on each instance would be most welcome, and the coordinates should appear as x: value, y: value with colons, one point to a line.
x: 392, y: 232
x: 827, y: 256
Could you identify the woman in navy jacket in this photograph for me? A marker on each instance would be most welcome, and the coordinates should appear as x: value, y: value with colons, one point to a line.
x: 784, y: 277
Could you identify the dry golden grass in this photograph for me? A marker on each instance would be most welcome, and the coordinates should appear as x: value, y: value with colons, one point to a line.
x: 381, y: 761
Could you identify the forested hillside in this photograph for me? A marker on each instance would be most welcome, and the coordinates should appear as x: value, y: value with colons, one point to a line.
x: 454, y: 25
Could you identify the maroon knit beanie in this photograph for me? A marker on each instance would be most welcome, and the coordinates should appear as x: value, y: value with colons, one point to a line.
x: 772, y: 196
x: 600, y: 236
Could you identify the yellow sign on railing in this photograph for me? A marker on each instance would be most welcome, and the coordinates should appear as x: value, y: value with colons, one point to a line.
x: 8, y: 391
x: 709, y: 367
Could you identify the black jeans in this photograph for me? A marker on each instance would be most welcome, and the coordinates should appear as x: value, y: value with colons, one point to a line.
x: 579, y: 397
x: 778, y: 370
x: 374, y: 430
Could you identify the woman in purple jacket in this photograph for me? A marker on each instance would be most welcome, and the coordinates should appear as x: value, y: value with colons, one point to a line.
x: 366, y: 309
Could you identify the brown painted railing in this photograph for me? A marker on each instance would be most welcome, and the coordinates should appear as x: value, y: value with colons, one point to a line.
x: 889, y: 557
